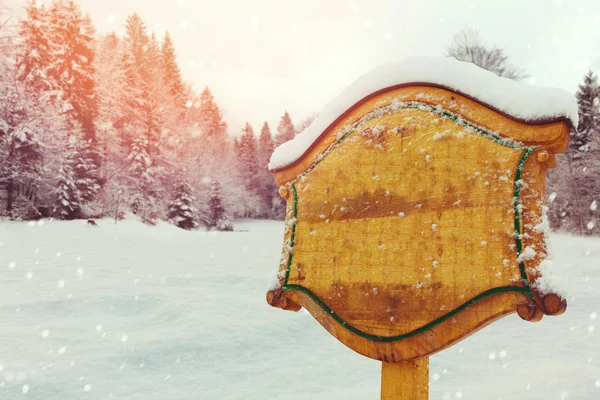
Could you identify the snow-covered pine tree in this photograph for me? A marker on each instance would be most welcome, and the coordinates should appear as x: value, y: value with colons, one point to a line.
x: 182, y: 212
x: 209, y: 117
x: 142, y: 181
x: 269, y: 199
x: 67, y: 196
x: 247, y: 158
x: 67, y: 203
x: 85, y: 170
x: 71, y: 70
x: 20, y: 157
x: 218, y: 219
x: 575, y: 183
x: 22, y: 120
x: 34, y: 55
x: 156, y: 95
x: 212, y: 151
x: 285, y: 130
x: 32, y: 138
x: 71, y: 63
x: 132, y: 84
x: 112, y: 128
x: 247, y: 164
x: 589, y: 115
x: 265, y: 146
x: 171, y: 72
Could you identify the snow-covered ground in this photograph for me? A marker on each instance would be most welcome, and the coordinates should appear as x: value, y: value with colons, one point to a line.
x: 133, y: 312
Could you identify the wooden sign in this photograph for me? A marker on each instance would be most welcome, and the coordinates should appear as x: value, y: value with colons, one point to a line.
x: 415, y: 220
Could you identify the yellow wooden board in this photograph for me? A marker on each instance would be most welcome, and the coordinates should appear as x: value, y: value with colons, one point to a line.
x: 414, y: 221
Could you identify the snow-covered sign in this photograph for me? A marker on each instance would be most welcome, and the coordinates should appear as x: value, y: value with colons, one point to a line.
x: 415, y: 209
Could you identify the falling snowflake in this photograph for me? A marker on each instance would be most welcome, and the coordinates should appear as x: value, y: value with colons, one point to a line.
x: 591, y: 225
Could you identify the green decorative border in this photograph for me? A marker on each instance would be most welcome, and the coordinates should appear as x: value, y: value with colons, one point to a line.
x: 527, y: 150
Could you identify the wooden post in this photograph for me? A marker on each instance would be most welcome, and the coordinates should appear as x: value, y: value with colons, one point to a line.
x: 405, y: 380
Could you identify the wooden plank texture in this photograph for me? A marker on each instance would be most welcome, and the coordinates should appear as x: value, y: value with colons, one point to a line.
x: 405, y: 380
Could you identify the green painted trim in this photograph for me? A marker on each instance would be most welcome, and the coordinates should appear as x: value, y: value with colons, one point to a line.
x: 517, y: 205
x: 527, y: 150
x: 424, y: 328
x: 293, y: 238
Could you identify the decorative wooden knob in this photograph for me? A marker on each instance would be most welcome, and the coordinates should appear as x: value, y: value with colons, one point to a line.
x: 529, y: 312
x: 543, y: 156
x: 284, y: 192
x: 281, y: 302
x: 553, y: 304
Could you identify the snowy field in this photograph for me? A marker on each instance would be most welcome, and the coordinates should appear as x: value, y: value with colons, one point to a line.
x: 132, y: 312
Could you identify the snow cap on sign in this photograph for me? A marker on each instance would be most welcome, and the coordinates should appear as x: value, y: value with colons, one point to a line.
x: 518, y: 100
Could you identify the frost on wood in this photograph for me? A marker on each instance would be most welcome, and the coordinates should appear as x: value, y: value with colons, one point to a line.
x: 513, y: 98
x: 548, y: 282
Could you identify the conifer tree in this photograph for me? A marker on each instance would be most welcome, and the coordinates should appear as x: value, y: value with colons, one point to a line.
x: 132, y: 83
x: 35, y: 55
x: 171, y: 72
x: 210, y: 118
x: 218, y: 219
x: 85, y: 170
x: 181, y: 210
x: 31, y: 137
x: 267, y: 187
x: 142, y: 182
x: 265, y: 146
x: 589, y: 115
x: 67, y: 203
x: 576, y: 180
x: 285, y: 130
x: 23, y: 120
x: 247, y: 158
x: 67, y: 196
x: 71, y: 67
x: 155, y: 94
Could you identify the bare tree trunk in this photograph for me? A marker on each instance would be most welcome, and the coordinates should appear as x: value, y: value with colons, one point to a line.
x: 9, y: 192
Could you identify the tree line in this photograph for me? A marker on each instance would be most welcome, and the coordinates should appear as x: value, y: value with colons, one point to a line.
x: 101, y: 125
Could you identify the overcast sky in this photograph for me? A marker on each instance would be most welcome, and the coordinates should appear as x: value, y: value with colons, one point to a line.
x: 260, y: 58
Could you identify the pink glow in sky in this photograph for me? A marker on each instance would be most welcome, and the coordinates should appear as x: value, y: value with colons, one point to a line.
x: 261, y: 58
